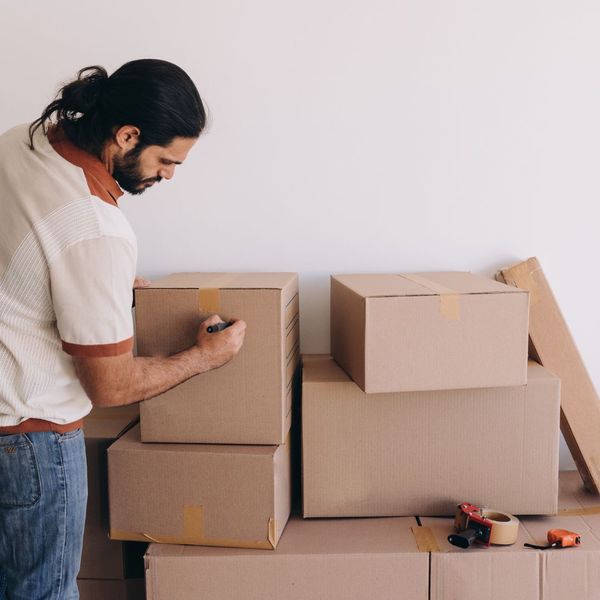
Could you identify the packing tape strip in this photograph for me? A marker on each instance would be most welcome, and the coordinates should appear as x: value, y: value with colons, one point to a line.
x: 425, y: 539
x: 505, y: 529
x: 579, y: 512
x: 209, y: 300
x: 209, y: 296
x: 193, y: 534
x: 449, y: 298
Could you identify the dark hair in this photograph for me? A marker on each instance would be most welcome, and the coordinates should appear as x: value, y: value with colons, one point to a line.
x: 156, y: 96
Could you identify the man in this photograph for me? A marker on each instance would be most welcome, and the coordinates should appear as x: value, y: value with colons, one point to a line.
x: 67, y: 267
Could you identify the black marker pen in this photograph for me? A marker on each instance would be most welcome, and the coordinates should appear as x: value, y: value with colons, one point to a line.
x: 217, y: 327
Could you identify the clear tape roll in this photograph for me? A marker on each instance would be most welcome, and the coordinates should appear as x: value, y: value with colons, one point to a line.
x: 505, y: 526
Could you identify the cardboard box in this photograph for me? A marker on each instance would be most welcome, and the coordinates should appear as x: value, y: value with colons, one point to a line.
x: 518, y: 573
x: 102, y: 558
x: 480, y: 573
x: 574, y: 572
x: 247, y: 401
x: 105, y: 589
x: 357, y: 559
x: 428, y: 331
x: 555, y: 348
x: 213, y: 495
x: 423, y: 452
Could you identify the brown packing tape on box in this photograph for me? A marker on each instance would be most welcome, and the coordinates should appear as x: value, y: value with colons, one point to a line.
x: 449, y: 298
x: 209, y: 297
x: 579, y: 512
x: 193, y: 534
x: 425, y: 539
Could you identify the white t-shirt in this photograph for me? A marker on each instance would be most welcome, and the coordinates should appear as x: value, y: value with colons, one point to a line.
x: 67, y: 265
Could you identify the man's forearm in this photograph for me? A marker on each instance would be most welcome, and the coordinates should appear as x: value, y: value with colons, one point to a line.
x: 125, y: 379
x: 153, y: 376
x: 138, y: 378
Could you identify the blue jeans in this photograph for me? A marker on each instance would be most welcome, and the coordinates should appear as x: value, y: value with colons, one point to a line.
x: 43, y: 497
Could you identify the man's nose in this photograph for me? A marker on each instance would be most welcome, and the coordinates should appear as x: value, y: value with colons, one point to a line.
x: 167, y: 172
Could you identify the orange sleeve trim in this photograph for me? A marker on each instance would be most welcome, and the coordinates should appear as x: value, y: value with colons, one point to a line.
x: 98, y: 350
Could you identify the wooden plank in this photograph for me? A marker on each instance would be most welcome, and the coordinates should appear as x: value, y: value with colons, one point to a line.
x: 552, y: 343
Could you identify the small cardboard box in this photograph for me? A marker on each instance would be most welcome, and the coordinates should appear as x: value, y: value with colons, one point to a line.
x: 102, y: 558
x: 356, y: 559
x: 423, y: 452
x: 247, y: 401
x: 105, y: 589
x: 214, y: 495
x: 429, y: 331
x: 519, y: 573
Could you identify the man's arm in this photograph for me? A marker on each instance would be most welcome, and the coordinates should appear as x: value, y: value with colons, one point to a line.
x: 125, y: 379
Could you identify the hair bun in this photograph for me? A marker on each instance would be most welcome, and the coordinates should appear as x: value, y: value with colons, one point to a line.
x: 84, y: 94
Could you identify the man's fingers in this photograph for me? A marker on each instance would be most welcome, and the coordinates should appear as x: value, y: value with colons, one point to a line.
x: 238, y: 325
x: 212, y: 320
x: 140, y: 282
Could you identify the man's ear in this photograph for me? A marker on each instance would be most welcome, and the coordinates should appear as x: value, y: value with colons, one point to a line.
x: 127, y: 137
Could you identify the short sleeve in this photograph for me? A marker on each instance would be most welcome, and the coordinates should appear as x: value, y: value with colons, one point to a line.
x: 92, y: 290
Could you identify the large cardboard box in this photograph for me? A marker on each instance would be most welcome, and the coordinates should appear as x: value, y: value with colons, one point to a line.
x: 102, y: 558
x: 423, y: 452
x: 247, y: 401
x: 428, y: 331
x: 555, y: 348
x: 519, y: 573
x: 357, y: 559
x: 106, y: 589
x: 215, y: 495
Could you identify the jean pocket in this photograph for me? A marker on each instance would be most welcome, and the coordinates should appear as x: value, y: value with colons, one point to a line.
x: 19, y: 475
x: 69, y: 435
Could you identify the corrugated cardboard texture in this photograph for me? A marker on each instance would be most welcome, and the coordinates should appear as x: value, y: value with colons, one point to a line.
x: 479, y: 573
x: 573, y: 573
x: 515, y: 572
x: 102, y: 558
x: 359, y: 559
x: 98, y: 589
x: 428, y: 331
x: 246, y: 401
x: 219, y: 495
x: 423, y: 452
x: 554, y: 345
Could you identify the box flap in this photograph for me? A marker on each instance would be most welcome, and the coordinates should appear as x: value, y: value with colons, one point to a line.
x: 276, y: 281
x: 423, y: 284
x: 321, y: 368
x: 95, y: 426
x: 130, y: 441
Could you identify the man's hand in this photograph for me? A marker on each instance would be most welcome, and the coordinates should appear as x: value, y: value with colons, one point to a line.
x: 220, y: 347
x: 125, y: 379
x: 140, y: 282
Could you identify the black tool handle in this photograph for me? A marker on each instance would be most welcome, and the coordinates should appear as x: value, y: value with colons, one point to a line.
x: 463, y: 539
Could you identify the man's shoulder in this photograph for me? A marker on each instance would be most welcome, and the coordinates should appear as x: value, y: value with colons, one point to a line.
x: 15, y: 143
x: 18, y: 132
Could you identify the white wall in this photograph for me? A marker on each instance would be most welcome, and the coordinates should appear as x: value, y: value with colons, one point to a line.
x: 352, y: 136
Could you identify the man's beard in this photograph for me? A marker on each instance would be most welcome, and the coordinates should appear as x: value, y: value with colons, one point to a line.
x: 127, y: 172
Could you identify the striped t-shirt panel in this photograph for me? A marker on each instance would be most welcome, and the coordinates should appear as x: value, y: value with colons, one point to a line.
x: 67, y: 265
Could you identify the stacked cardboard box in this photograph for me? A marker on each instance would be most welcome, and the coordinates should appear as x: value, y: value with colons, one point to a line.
x: 519, y: 573
x: 109, y: 569
x: 443, y: 407
x: 405, y: 557
x: 210, y: 464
